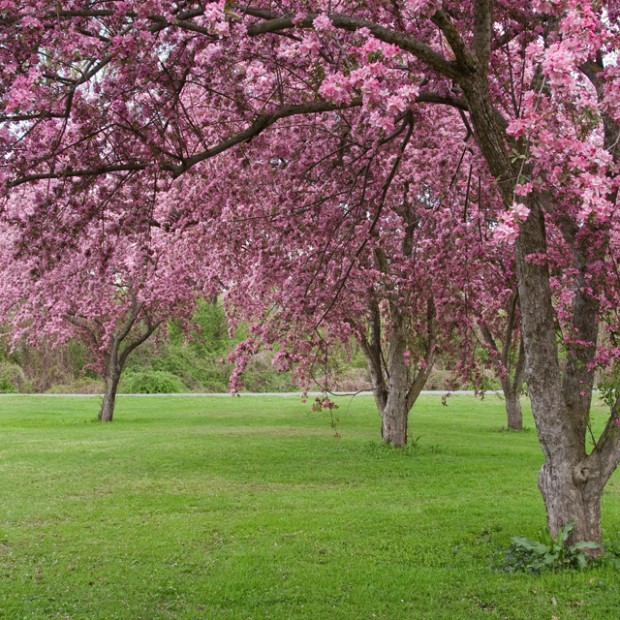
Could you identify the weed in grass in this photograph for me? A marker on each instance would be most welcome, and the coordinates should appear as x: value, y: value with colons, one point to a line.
x: 324, y: 403
x: 548, y: 553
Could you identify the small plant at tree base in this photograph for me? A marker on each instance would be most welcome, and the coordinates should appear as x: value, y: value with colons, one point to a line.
x: 547, y: 553
x: 323, y: 402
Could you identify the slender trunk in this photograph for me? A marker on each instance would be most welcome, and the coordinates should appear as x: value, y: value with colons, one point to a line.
x: 512, y: 391
x: 511, y: 387
x: 514, y: 415
x: 111, y: 382
x: 111, y: 378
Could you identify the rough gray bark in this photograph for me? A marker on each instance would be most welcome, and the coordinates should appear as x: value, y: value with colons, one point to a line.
x: 571, y: 482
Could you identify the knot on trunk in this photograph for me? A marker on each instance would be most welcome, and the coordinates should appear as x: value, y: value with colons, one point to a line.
x: 581, y: 474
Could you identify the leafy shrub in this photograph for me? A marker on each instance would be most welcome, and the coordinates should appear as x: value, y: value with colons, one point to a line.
x: 152, y: 382
x: 12, y: 379
x: 548, y: 553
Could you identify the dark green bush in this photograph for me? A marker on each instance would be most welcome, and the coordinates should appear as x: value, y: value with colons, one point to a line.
x: 151, y: 382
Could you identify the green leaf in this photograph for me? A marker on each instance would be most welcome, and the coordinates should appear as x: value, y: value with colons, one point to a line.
x: 531, y: 545
x: 585, y: 544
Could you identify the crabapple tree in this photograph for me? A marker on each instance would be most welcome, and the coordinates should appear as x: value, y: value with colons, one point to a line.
x: 360, y: 258
x: 111, y: 290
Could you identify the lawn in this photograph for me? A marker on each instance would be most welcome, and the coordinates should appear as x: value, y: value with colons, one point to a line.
x: 251, y: 508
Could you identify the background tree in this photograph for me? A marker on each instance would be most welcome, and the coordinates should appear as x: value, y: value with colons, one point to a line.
x: 376, y: 251
x: 111, y: 290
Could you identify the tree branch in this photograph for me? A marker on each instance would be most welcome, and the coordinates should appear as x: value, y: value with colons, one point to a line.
x: 466, y: 62
x: 483, y: 30
x: 420, y: 50
x: 261, y: 123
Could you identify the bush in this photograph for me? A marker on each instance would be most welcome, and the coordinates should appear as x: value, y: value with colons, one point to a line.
x: 151, y: 382
x: 12, y: 379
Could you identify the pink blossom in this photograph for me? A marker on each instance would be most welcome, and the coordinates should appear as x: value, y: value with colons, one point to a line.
x: 322, y: 23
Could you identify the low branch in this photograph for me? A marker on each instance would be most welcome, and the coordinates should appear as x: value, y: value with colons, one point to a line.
x: 261, y: 123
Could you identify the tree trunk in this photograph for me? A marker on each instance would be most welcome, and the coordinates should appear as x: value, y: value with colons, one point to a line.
x: 111, y: 382
x: 396, y: 384
x: 570, y: 482
x: 571, y: 497
x: 514, y: 416
x: 391, y: 389
x: 394, y: 418
x: 513, y: 393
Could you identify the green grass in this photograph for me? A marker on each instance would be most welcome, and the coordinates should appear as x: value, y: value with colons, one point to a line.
x: 250, y: 508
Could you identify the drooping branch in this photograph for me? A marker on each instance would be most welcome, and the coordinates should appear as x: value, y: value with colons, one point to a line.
x: 261, y: 123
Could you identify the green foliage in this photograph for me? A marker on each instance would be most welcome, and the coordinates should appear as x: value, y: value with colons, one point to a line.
x: 12, y: 379
x: 151, y: 382
x: 208, y: 333
x: 200, y: 359
x: 609, y: 387
x: 548, y: 553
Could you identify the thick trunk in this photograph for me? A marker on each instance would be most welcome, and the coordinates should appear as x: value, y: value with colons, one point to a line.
x: 394, y: 420
x: 514, y: 416
x: 405, y: 383
x: 570, y: 497
x: 571, y: 487
x: 571, y: 482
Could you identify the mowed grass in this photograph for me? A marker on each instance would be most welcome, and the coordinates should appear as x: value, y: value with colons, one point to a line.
x: 251, y: 508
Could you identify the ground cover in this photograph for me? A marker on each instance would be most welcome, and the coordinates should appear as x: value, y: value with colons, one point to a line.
x: 250, y: 508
